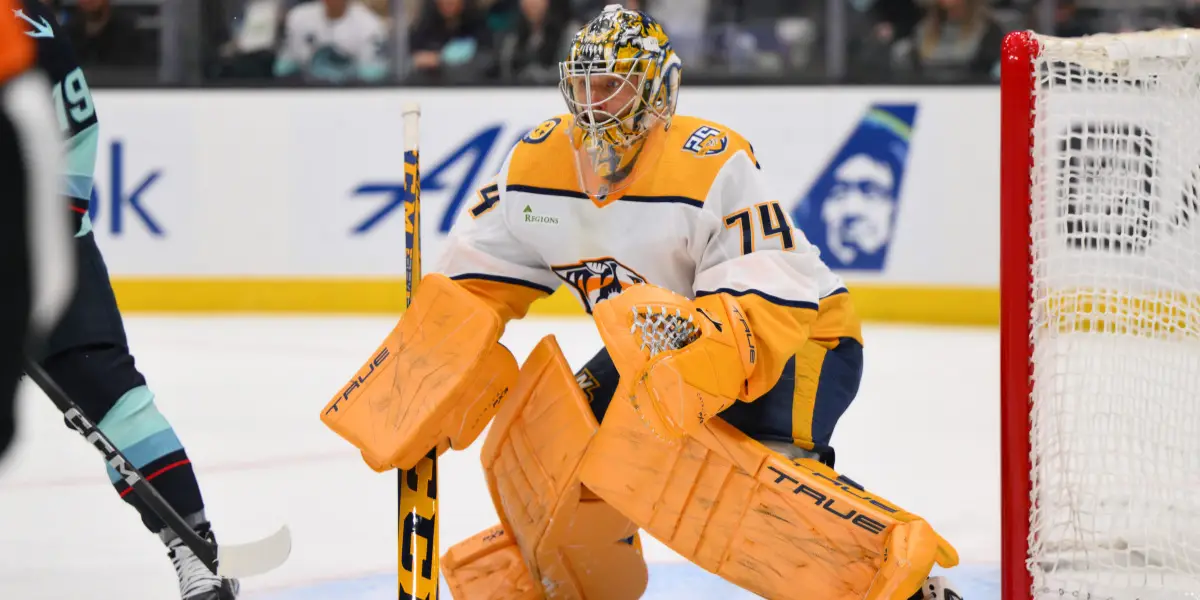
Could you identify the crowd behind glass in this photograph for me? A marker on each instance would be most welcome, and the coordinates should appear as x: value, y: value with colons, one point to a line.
x: 230, y: 43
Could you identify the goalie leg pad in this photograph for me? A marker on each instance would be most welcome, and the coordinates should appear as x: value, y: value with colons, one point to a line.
x: 488, y: 566
x: 780, y: 528
x: 574, y: 545
x: 435, y: 381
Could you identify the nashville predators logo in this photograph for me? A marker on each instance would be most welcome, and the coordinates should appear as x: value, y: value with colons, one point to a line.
x: 588, y: 383
x: 706, y: 141
x: 597, y: 280
x: 539, y: 134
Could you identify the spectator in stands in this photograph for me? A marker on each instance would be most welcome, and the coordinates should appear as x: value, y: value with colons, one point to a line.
x: 105, y: 37
x: 381, y: 7
x: 1067, y: 21
x: 583, y: 11
x: 873, y: 27
x: 759, y: 37
x: 501, y: 15
x: 686, y: 21
x: 955, y: 39
x: 254, y: 38
x: 1188, y: 15
x: 893, y: 19
x: 451, y: 41
x: 532, y: 51
x: 333, y: 41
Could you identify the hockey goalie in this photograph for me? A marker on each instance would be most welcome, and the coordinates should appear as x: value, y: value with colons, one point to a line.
x: 730, y: 352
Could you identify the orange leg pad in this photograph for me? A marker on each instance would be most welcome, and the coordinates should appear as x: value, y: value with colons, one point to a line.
x: 488, y: 566
x: 574, y: 545
x: 782, y: 529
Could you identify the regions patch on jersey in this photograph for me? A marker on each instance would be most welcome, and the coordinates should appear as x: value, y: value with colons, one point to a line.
x: 597, y: 280
x: 539, y: 134
x: 706, y: 141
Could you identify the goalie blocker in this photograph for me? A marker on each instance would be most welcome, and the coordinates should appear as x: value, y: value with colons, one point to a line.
x: 782, y: 528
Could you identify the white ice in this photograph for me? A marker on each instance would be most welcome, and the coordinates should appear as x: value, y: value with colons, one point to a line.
x: 244, y: 395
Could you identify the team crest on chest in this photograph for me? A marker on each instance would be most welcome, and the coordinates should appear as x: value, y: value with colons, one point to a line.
x: 597, y: 280
x: 706, y: 141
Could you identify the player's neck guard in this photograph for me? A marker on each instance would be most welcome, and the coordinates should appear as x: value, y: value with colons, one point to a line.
x: 606, y: 171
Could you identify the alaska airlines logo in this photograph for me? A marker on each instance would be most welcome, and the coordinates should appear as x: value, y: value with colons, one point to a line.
x: 706, y: 141
x: 597, y: 280
x: 850, y: 211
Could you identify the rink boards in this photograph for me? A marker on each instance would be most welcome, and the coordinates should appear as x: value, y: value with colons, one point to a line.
x: 288, y: 200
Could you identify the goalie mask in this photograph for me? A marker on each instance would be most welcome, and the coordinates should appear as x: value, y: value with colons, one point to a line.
x: 620, y: 82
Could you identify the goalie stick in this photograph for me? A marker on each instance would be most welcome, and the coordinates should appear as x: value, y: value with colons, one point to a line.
x: 419, y: 576
x: 226, y: 560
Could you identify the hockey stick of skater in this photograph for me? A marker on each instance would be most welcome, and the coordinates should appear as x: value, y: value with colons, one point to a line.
x: 241, y: 560
x: 419, y: 576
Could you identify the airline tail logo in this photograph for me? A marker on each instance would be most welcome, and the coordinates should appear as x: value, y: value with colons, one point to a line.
x: 849, y: 213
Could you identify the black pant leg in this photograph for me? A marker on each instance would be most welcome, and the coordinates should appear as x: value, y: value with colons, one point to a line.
x: 14, y: 276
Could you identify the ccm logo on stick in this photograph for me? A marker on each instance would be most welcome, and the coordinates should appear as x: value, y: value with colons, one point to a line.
x: 83, y: 426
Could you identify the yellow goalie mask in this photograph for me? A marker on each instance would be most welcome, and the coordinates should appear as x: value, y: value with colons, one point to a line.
x: 620, y: 81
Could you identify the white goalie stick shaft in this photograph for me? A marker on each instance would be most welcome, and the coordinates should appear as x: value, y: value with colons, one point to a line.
x: 226, y: 560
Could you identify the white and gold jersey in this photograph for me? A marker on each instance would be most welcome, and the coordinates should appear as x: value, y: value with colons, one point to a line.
x: 700, y: 222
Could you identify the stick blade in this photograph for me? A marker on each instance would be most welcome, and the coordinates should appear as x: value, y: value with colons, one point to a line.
x: 254, y: 558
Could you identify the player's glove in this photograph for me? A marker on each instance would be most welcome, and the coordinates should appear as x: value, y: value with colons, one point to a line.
x: 681, y: 361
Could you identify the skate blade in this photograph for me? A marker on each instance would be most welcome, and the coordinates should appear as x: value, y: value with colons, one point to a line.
x: 254, y: 558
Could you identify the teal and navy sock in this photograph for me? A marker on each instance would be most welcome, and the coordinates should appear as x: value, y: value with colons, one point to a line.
x: 143, y: 434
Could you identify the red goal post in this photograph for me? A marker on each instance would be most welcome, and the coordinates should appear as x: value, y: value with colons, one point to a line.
x: 1016, y: 140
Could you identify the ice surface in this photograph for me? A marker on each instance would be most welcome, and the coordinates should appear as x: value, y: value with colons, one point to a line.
x: 244, y: 395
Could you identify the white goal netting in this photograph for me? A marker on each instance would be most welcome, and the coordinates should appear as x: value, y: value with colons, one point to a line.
x: 1115, y: 422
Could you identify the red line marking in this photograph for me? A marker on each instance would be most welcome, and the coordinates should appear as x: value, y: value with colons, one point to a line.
x: 205, y: 468
x: 151, y: 476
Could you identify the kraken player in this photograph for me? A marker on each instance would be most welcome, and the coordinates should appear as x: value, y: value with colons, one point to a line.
x: 87, y: 353
x: 730, y: 353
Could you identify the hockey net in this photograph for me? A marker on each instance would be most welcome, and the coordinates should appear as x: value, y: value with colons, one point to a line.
x: 1100, y: 294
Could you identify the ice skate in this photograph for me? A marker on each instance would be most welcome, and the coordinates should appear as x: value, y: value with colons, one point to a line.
x: 937, y: 588
x: 196, y: 582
